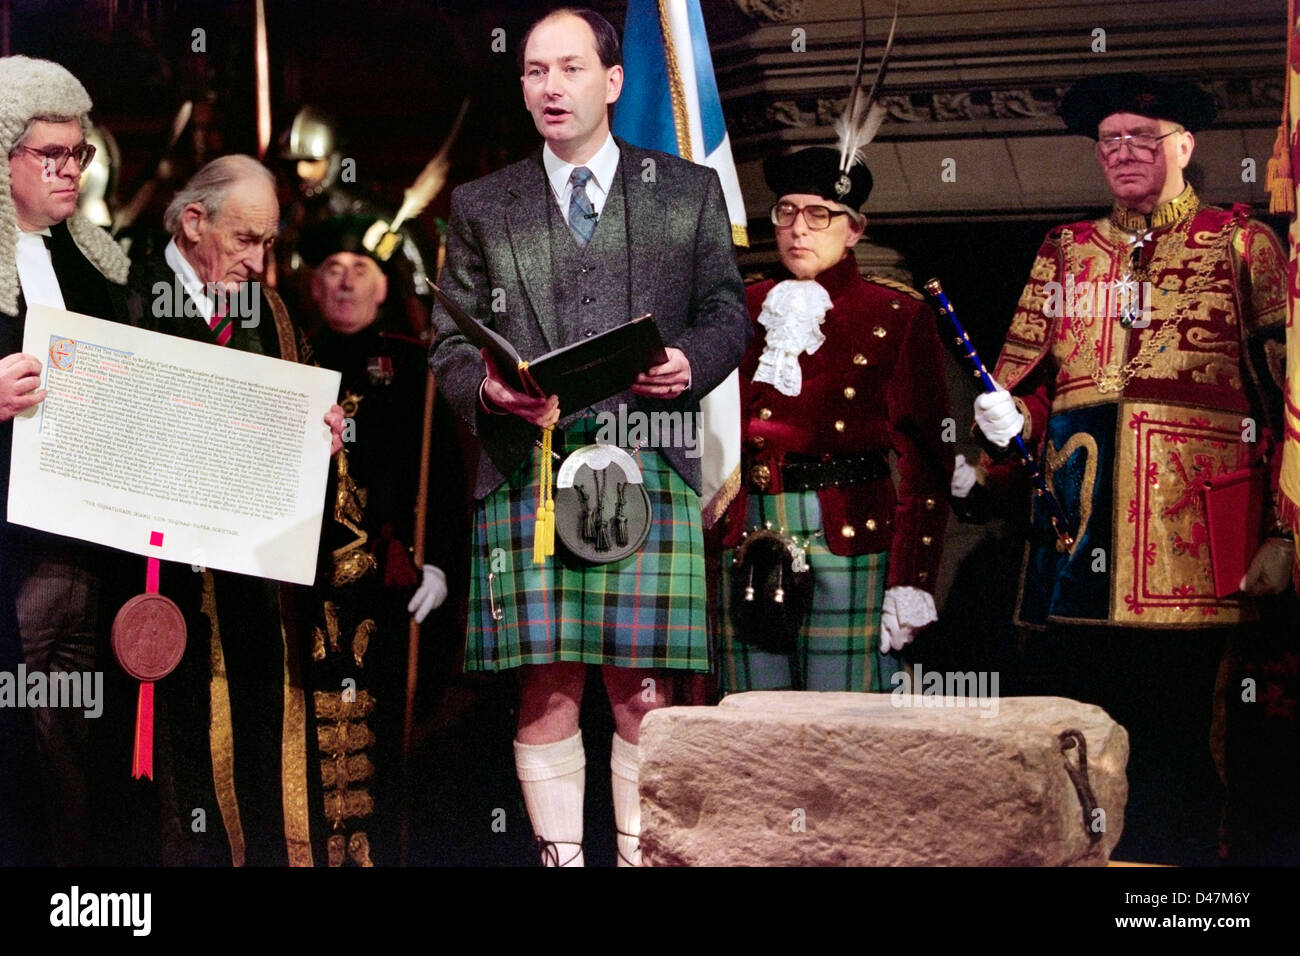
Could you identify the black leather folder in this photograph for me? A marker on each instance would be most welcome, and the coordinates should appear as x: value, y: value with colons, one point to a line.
x: 581, y: 373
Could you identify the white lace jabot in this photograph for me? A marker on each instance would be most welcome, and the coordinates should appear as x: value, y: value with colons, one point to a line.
x: 793, y: 312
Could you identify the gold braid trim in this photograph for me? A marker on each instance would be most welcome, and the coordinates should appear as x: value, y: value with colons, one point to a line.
x: 681, y: 121
x: 335, y: 848
x: 897, y: 286
x: 717, y: 506
x: 352, y: 561
x: 293, y: 749
x: 284, y: 330
x: 330, y: 705
x: 344, y: 738
x: 1167, y: 213
x: 343, y: 805
x: 359, y: 849
x: 343, y: 769
x: 361, y: 641
x: 221, y: 735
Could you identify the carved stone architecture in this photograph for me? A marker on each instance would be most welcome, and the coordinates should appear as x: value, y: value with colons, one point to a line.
x: 777, y: 11
x: 972, y: 91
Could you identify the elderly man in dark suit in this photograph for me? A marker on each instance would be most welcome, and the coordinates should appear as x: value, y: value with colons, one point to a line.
x: 52, y: 589
x: 233, y: 719
x: 567, y: 243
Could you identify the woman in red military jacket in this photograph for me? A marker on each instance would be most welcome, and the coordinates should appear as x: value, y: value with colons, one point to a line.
x: 842, y: 371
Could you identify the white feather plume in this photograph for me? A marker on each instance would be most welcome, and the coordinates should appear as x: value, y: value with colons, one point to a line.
x: 858, y: 124
x: 855, y: 134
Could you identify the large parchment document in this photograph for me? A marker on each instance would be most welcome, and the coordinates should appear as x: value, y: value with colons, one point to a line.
x: 173, y: 449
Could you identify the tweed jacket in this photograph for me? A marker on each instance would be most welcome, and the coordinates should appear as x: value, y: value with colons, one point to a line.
x: 682, y: 269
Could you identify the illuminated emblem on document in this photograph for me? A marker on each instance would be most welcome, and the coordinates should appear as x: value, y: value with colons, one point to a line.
x: 63, y: 353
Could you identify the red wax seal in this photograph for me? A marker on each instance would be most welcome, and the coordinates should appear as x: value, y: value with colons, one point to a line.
x: 149, y: 636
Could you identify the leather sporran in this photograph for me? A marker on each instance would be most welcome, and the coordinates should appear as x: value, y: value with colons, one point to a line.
x: 602, y: 510
x: 771, y: 591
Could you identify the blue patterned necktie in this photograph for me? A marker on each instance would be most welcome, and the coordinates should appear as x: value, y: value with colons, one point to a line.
x: 582, y: 215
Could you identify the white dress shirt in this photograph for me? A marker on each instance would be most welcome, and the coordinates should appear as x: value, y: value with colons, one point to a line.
x: 36, y: 270
x: 603, y: 166
x: 190, y: 279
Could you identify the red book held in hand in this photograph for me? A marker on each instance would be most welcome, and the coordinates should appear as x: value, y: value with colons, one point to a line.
x: 1234, y: 511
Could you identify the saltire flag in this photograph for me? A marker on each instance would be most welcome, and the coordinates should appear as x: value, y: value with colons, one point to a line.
x: 670, y: 103
x: 1284, y: 199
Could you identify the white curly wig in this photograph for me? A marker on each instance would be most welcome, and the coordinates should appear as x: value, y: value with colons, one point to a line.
x: 32, y: 88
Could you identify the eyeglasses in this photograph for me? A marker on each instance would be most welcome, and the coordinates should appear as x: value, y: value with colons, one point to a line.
x: 56, y: 157
x: 1141, y: 146
x: 817, y: 217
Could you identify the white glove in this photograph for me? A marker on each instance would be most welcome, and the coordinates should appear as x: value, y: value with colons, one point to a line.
x: 998, y: 418
x: 1270, y: 568
x: 963, y: 477
x: 904, y: 610
x: 429, y: 595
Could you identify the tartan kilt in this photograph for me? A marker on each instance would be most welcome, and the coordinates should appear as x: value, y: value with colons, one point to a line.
x: 648, y: 610
x: 838, y: 648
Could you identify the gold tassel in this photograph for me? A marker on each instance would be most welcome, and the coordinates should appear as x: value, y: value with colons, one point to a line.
x: 544, y: 535
x: 1281, y: 186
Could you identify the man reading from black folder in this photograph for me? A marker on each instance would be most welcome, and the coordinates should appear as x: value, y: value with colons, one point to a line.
x: 572, y: 241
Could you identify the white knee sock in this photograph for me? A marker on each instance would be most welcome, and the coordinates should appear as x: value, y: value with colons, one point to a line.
x: 553, y: 777
x: 624, y: 764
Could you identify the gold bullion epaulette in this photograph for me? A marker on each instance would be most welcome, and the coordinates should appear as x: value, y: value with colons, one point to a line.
x: 896, y: 286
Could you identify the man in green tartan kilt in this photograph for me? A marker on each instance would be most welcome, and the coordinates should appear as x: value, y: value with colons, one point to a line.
x: 645, y: 610
x: 842, y: 371
x: 572, y: 241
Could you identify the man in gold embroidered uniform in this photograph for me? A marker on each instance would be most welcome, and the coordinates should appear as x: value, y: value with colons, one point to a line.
x: 1145, y: 358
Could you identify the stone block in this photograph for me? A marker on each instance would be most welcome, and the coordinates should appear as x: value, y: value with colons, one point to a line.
x: 814, y: 779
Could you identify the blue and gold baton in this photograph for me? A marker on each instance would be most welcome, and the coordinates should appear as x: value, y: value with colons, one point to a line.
x: 1064, y: 539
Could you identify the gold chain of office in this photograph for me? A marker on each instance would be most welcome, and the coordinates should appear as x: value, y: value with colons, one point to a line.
x: 1113, y: 378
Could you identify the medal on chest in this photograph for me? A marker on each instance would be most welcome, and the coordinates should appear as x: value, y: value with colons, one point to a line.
x: 379, y: 368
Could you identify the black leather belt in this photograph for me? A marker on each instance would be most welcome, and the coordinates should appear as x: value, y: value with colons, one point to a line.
x: 815, y: 475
